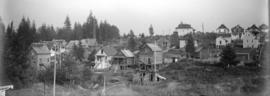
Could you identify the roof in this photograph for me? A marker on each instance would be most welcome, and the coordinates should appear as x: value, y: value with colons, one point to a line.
x: 184, y: 26
x: 263, y: 26
x: 245, y: 50
x: 237, y: 29
x: 89, y: 42
x: 174, y: 53
x: 109, y: 50
x: 72, y: 43
x: 153, y: 47
x: 42, y: 49
x: 127, y: 53
x: 254, y: 27
x: 222, y: 26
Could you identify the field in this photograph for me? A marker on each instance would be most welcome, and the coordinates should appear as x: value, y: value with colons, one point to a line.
x: 185, y: 78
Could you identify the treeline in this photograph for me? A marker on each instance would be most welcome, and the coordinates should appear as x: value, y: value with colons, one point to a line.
x: 102, y: 31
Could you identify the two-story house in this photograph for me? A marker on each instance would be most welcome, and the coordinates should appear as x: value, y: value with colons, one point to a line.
x: 40, y: 55
x: 104, y: 57
x: 184, y: 29
x: 250, y: 40
x: 237, y: 32
x: 123, y: 59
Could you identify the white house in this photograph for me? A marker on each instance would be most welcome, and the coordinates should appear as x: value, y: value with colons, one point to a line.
x: 223, y: 41
x: 222, y: 29
x: 184, y: 29
x: 249, y: 40
x: 4, y: 88
x: 104, y: 57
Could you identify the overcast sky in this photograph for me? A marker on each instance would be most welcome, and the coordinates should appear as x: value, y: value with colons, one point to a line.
x: 137, y: 15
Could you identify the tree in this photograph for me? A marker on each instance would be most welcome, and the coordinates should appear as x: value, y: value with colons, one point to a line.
x: 67, y: 23
x: 228, y: 56
x: 78, y: 51
x: 151, y: 30
x: 190, y: 48
x: 131, y: 34
x: 175, y: 40
x: 132, y: 44
x: 20, y: 71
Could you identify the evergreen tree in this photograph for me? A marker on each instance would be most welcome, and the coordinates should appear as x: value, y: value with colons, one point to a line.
x: 78, y: 51
x: 132, y: 44
x: 20, y: 71
x: 175, y: 40
x: 151, y: 31
x: 190, y: 48
x: 228, y: 56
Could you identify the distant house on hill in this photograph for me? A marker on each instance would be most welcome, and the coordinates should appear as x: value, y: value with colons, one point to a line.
x: 40, y: 55
x: 223, y: 41
x: 237, y: 32
x: 163, y: 43
x: 184, y: 29
x: 104, y: 57
x: 254, y: 30
x: 250, y: 40
x: 222, y: 29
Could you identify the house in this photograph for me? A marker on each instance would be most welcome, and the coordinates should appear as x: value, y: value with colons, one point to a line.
x: 123, y: 59
x: 89, y: 43
x: 250, y: 40
x: 245, y: 55
x: 254, y: 30
x: 150, y: 54
x: 163, y: 43
x: 207, y: 52
x: 222, y: 29
x: 184, y: 29
x: 222, y: 41
x: 3, y: 89
x: 182, y: 43
x: 104, y: 57
x: 237, y: 31
x: 71, y: 44
x: 40, y: 55
x: 173, y: 55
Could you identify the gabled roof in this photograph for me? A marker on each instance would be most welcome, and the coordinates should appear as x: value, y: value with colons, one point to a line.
x: 42, y: 49
x: 222, y: 26
x: 110, y: 51
x: 253, y: 27
x: 237, y: 29
x: 153, y: 47
x: 127, y: 53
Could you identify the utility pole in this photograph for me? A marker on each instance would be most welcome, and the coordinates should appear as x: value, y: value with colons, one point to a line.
x: 155, y: 63
x: 54, y: 79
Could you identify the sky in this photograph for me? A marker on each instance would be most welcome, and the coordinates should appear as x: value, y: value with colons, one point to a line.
x: 138, y: 15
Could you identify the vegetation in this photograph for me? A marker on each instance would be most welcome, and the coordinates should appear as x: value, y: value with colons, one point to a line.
x: 17, y: 47
x: 228, y: 57
x: 190, y: 48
